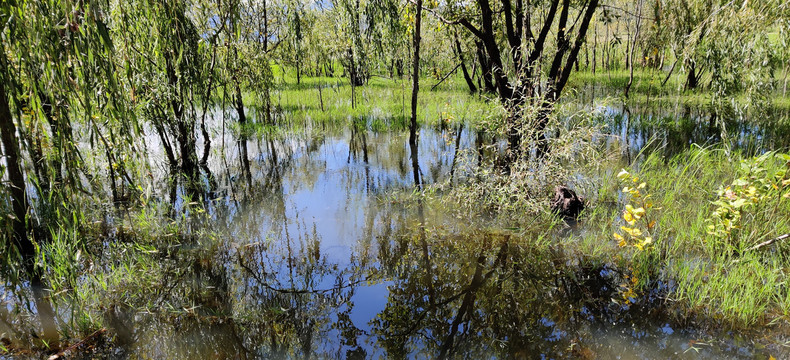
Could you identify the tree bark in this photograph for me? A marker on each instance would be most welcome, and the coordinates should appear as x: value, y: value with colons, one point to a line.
x: 515, y: 92
x: 485, y: 68
x: 245, y: 161
x: 15, y: 176
x: 692, y: 80
x: 414, y: 93
x: 183, y: 130
x: 558, y: 84
x: 467, y: 78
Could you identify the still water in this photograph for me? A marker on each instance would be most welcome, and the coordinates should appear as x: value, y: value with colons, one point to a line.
x: 317, y: 255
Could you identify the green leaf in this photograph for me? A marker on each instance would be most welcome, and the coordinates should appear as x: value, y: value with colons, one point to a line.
x: 738, y: 203
x: 740, y: 182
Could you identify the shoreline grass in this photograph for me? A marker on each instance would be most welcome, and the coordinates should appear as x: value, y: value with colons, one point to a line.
x: 695, y: 272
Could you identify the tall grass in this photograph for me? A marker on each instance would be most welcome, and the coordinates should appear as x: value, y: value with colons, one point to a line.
x: 383, y: 103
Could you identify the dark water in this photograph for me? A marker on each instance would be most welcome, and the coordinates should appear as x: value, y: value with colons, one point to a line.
x: 318, y: 255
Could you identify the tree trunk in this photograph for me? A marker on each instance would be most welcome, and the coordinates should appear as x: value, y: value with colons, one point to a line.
x: 183, y: 130
x: 692, y: 81
x: 558, y: 77
x: 298, y: 70
x: 15, y: 176
x: 414, y: 93
x: 245, y: 161
x: 467, y: 78
x: 595, y: 48
x: 526, y: 86
x: 586, y: 56
x: 485, y: 68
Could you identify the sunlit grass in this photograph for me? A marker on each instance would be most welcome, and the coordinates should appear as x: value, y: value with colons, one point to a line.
x: 132, y: 260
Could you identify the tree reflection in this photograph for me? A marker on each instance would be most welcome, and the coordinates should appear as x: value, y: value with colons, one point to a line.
x: 489, y: 295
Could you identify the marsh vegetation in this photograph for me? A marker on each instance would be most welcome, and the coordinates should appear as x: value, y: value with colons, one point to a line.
x: 374, y: 179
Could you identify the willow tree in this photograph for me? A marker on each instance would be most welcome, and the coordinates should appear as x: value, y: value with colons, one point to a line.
x: 369, y: 31
x: 13, y: 169
x: 726, y: 48
x: 58, y: 76
x: 349, y: 17
x: 165, y: 56
x: 515, y: 39
x: 386, y: 35
x: 246, y: 66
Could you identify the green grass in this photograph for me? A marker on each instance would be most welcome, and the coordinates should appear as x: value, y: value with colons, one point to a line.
x: 717, y: 281
x: 715, y: 278
x: 647, y: 89
x: 383, y: 103
x: 711, y: 279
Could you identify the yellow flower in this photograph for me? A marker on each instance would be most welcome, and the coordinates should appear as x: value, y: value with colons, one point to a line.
x: 629, y: 218
x: 621, y: 239
x: 634, y: 232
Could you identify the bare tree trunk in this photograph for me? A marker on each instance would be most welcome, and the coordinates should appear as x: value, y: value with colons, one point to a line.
x: 586, y: 56
x: 633, y: 48
x: 469, y: 82
x: 245, y: 160
x: 414, y: 93
x: 595, y: 48
x: 559, y: 76
x: 627, y: 53
x: 298, y: 70
x: 485, y: 68
x: 607, y: 50
x: 692, y: 80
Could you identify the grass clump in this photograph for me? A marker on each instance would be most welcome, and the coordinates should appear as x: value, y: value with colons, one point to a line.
x: 716, y: 207
x: 696, y: 226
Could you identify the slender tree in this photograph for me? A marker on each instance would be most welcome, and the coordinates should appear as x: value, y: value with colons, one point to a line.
x: 16, y: 177
x: 415, y: 92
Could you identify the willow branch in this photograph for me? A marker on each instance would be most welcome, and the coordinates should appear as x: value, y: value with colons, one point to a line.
x: 768, y: 242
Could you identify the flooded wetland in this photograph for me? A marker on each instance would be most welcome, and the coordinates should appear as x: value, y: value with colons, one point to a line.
x: 325, y: 248
x: 359, y: 179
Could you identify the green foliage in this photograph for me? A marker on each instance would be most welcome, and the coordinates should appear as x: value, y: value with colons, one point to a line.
x: 96, y: 88
x: 639, y: 226
x: 751, y: 201
x: 720, y: 277
x: 521, y: 196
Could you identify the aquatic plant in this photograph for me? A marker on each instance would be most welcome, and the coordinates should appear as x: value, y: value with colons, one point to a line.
x: 639, y: 226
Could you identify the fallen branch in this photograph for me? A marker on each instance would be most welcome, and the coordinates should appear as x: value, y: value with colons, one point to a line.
x: 445, y: 77
x: 769, y: 242
x: 670, y: 73
x: 67, y: 350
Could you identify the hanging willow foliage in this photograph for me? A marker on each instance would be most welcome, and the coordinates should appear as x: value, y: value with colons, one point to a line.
x: 86, y: 87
